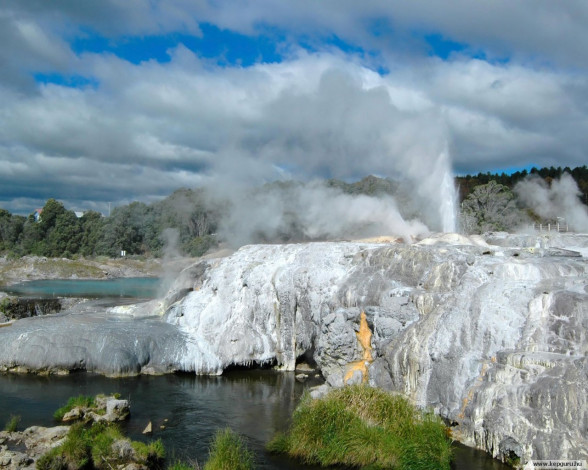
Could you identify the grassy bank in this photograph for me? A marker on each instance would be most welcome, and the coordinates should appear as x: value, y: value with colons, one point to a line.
x: 360, y: 426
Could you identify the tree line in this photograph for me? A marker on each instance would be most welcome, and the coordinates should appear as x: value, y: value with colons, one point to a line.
x: 487, y: 202
x: 136, y: 228
x: 468, y: 183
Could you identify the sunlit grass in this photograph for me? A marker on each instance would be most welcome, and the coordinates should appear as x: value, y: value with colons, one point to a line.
x: 360, y: 426
x: 229, y: 452
x: 12, y: 423
x: 81, y: 401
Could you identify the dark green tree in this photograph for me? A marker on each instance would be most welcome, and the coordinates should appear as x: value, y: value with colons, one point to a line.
x: 92, y: 224
x: 11, y: 228
x: 63, y: 239
x: 490, y: 207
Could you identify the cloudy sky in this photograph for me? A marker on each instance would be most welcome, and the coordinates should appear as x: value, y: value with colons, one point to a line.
x: 120, y: 100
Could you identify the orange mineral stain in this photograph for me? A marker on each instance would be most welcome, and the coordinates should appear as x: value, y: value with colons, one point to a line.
x: 364, y: 336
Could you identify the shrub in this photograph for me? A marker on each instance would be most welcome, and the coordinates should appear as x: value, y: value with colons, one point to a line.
x: 362, y: 426
x: 229, y: 452
x: 12, y: 424
x: 81, y: 401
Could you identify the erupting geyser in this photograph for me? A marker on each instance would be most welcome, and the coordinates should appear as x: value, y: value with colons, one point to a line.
x: 448, y: 195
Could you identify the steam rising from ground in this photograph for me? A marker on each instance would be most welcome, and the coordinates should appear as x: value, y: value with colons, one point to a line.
x: 337, y: 121
x: 561, y: 200
x: 296, y: 212
x: 170, y: 238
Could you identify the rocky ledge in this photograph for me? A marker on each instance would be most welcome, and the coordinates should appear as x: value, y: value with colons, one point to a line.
x: 21, y: 450
x: 489, y: 332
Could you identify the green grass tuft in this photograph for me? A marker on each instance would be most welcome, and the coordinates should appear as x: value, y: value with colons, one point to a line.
x: 12, y: 423
x: 179, y: 465
x: 103, y: 436
x: 76, y: 449
x: 79, y: 401
x: 151, y: 455
x: 229, y: 452
x: 361, y: 426
x: 52, y: 460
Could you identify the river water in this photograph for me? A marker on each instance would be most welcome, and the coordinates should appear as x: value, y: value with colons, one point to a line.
x: 185, y: 410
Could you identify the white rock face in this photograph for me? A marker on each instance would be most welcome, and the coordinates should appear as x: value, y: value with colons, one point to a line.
x: 490, y: 332
x: 262, y: 304
x: 492, y: 337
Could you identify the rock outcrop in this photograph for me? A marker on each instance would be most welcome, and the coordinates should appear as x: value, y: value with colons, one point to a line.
x: 20, y: 450
x: 16, y: 308
x: 106, y: 408
x: 112, y: 344
x: 490, y: 335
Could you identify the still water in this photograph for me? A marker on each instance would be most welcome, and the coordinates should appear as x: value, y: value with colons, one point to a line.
x: 185, y: 410
x: 135, y: 287
x: 255, y: 404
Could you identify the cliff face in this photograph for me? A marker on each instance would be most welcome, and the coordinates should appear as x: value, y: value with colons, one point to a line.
x: 493, y: 337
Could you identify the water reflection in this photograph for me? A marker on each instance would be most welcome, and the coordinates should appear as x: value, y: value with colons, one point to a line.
x: 256, y: 404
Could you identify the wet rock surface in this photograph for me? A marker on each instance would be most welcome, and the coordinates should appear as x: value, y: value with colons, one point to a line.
x: 111, y: 344
x: 490, y: 334
x: 23, y: 449
x: 15, y: 308
x: 20, y: 450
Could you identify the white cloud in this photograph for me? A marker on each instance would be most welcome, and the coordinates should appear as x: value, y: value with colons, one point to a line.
x: 148, y: 129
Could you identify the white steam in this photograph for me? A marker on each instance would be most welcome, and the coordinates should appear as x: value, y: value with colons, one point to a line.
x: 170, y: 238
x: 341, y: 121
x: 560, y: 201
x: 313, y: 211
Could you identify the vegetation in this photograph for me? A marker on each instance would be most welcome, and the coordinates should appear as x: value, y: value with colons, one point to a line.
x: 98, y: 445
x: 468, y: 183
x: 229, y: 452
x: 140, y: 229
x: 179, y: 465
x: 12, y: 424
x: 360, y: 426
x: 81, y: 401
x: 101, y: 446
x: 490, y: 207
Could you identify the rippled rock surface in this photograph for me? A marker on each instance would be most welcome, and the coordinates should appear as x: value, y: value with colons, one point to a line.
x: 108, y: 343
x: 490, y: 335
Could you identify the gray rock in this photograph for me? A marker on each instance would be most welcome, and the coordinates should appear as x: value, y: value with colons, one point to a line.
x: 114, y: 345
x: 73, y: 415
x: 117, y: 410
x: 319, y: 391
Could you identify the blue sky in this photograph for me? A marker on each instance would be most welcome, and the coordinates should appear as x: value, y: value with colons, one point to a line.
x: 112, y: 101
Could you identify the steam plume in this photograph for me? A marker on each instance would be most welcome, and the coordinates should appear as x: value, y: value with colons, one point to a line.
x: 561, y: 200
x: 313, y: 211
